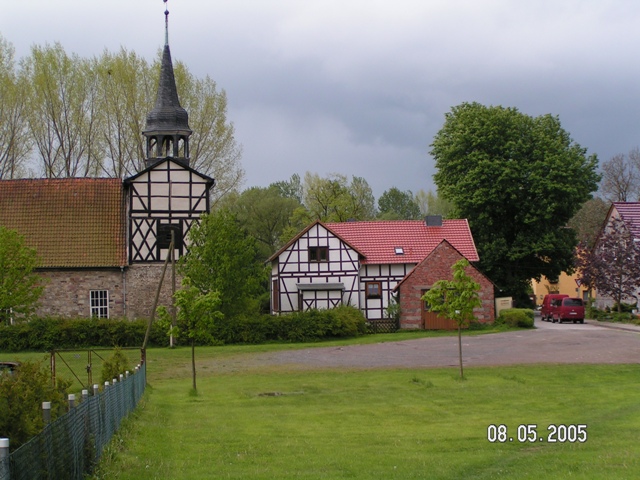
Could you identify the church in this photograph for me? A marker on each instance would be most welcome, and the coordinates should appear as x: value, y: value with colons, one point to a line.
x: 102, y: 242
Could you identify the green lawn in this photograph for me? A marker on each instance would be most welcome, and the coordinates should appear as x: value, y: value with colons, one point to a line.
x: 270, y: 423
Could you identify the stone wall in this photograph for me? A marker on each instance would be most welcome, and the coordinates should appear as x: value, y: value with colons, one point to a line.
x: 437, y: 266
x: 66, y: 292
x: 132, y: 291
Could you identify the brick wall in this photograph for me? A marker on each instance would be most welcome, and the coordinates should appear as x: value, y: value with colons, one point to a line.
x: 437, y: 266
x: 142, y: 284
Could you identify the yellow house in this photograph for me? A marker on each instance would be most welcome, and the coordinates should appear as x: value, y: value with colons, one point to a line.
x: 567, y: 284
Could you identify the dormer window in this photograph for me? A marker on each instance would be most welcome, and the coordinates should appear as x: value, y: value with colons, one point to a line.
x: 318, y: 254
x: 399, y: 251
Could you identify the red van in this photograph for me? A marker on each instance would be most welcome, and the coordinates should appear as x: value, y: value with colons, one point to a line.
x: 570, y: 309
x: 550, y: 303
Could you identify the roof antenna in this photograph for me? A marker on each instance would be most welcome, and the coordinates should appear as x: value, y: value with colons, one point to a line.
x: 166, y: 23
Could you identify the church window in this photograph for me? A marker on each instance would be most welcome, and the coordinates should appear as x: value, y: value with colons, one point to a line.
x: 99, y: 302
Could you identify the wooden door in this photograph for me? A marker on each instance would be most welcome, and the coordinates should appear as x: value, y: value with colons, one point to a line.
x: 431, y: 321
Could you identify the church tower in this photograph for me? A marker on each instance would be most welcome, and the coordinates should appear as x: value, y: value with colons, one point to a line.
x: 167, y: 131
x: 167, y: 198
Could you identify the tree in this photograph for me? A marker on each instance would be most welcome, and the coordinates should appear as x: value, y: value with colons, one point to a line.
x: 196, y: 316
x: 15, y: 142
x: 455, y: 299
x: 223, y: 258
x: 125, y: 93
x: 621, y: 177
x: 612, y: 266
x: 394, y: 204
x: 20, y: 287
x: 291, y: 188
x: 64, y: 120
x: 518, y: 180
x: 589, y: 219
x: 21, y: 397
x: 334, y: 199
x: 265, y: 214
x: 432, y: 204
x: 213, y: 147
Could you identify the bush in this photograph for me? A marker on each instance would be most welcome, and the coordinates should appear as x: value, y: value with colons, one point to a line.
x: 115, y: 365
x: 21, y: 397
x: 45, y: 334
x: 516, y: 317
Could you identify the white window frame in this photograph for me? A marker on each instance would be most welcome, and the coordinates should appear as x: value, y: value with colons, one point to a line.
x: 99, y: 303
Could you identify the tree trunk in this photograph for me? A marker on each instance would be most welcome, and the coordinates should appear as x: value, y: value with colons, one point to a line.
x: 193, y: 362
x: 460, y: 350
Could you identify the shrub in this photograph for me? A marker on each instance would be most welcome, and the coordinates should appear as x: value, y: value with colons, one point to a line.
x: 115, y: 365
x: 21, y: 397
x: 516, y: 317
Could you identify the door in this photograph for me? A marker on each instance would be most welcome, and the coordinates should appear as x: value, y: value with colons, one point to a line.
x: 431, y: 321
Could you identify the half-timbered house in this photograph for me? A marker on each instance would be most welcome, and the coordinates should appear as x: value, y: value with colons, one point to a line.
x: 101, y: 243
x: 362, y: 263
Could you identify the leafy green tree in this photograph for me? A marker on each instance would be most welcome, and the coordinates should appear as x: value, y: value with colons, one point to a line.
x: 291, y: 188
x: 265, y: 214
x: 394, y: 204
x: 20, y: 287
x: 195, y: 318
x: 335, y: 199
x: 455, y: 299
x: 223, y: 258
x: 518, y: 180
x: 21, y: 397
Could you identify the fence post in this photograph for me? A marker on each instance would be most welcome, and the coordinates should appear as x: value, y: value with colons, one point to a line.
x: 46, y: 412
x: 72, y: 401
x: 4, y: 459
x: 96, y: 389
x: 85, y: 395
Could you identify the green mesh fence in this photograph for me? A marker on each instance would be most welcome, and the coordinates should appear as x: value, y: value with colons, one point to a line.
x: 70, y: 446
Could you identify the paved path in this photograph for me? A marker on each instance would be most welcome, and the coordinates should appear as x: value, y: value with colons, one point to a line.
x: 548, y: 343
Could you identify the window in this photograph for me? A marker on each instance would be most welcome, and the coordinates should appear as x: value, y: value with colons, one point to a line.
x: 99, y: 301
x: 374, y: 289
x: 164, y: 235
x: 318, y: 254
x: 399, y: 251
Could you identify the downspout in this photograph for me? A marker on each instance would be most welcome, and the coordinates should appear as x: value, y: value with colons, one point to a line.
x: 124, y: 291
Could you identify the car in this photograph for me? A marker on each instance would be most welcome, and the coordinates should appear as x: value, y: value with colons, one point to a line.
x: 8, y: 367
x: 570, y: 309
x: 550, y: 303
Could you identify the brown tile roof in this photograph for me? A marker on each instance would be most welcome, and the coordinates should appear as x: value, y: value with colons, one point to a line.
x: 73, y: 222
x: 378, y: 240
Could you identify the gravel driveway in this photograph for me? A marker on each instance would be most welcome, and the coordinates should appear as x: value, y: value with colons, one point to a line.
x: 547, y: 343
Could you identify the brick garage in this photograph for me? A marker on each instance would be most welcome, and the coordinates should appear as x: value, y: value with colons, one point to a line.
x: 437, y: 266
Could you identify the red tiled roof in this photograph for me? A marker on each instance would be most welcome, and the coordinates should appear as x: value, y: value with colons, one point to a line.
x: 73, y: 222
x: 630, y: 213
x: 378, y: 240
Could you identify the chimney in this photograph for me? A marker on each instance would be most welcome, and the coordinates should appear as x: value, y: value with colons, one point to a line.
x: 433, y: 220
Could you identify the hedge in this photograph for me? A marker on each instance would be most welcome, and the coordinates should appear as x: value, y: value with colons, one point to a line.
x: 516, y: 317
x: 45, y: 334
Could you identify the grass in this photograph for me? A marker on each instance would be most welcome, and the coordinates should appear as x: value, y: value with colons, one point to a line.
x: 268, y: 422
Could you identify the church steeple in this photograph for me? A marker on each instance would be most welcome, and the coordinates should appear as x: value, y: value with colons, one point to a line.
x: 167, y: 130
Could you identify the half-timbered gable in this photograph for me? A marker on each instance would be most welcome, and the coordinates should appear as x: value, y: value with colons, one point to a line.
x: 311, y: 271
x: 315, y: 270
x: 164, y: 200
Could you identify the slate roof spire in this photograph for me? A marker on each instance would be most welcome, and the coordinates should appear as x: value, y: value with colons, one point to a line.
x: 167, y: 129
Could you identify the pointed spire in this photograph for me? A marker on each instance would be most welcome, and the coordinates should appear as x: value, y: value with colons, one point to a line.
x: 167, y: 129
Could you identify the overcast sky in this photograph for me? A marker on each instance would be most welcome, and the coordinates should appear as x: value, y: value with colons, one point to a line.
x: 360, y: 87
